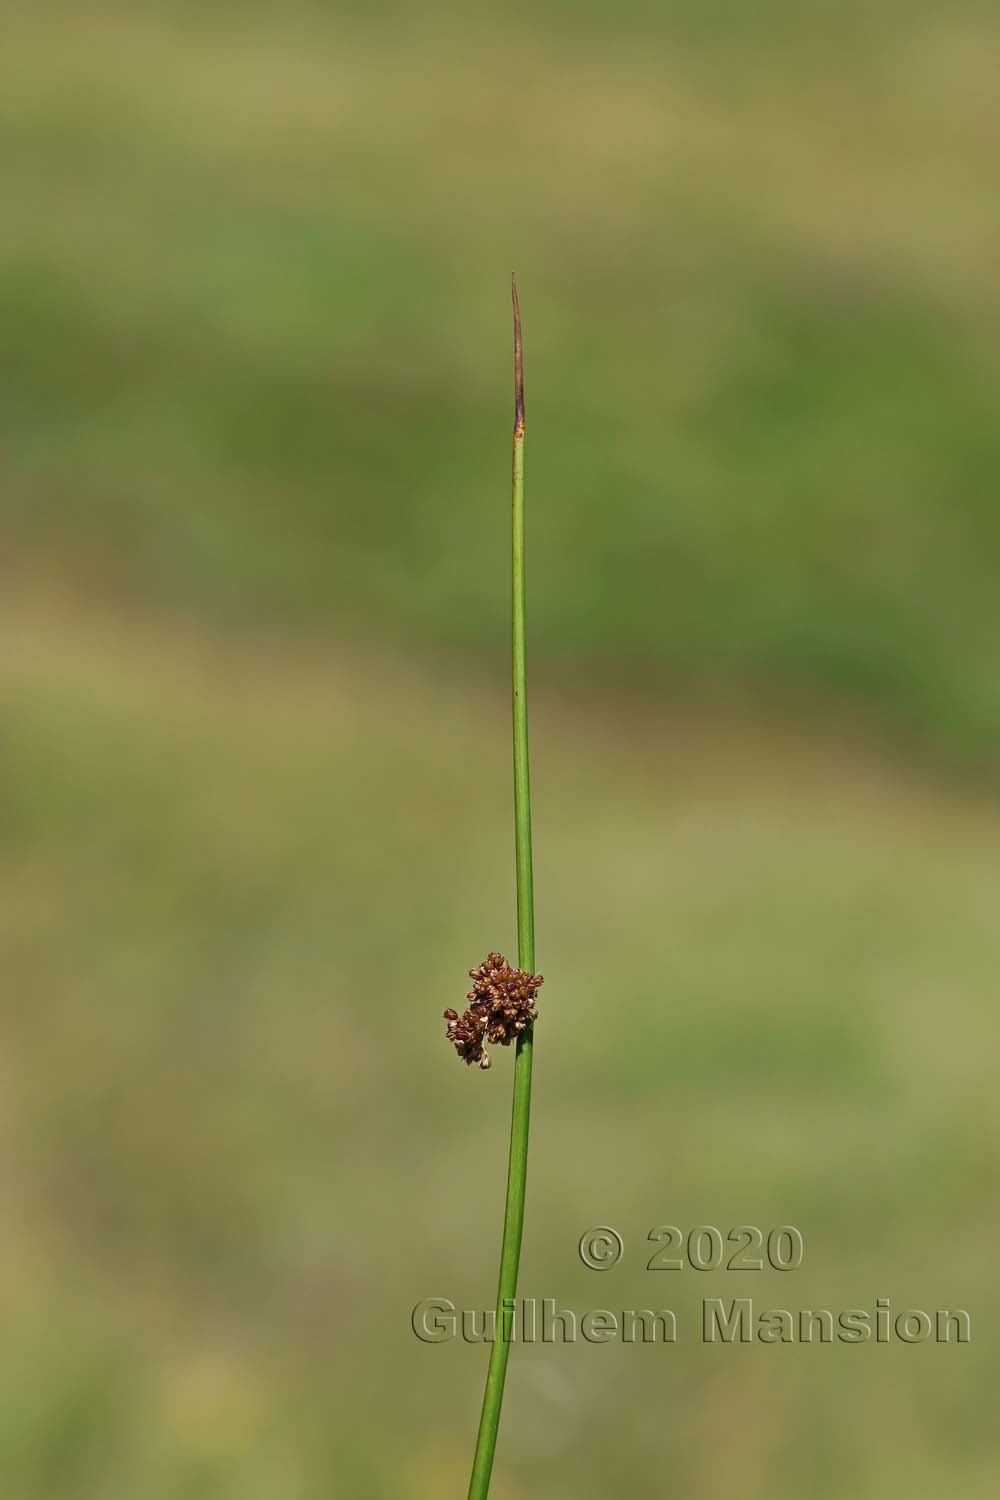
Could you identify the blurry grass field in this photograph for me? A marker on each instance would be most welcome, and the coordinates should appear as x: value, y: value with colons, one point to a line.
x: 255, y: 801
x: 251, y: 291
x: 238, y: 1149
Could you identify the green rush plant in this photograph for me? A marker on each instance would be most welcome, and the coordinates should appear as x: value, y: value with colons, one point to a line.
x: 513, y: 1224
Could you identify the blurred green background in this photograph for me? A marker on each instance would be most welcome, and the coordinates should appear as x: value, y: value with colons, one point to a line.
x: 254, y: 445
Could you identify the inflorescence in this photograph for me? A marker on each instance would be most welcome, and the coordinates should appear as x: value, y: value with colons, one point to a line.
x: 503, y: 1006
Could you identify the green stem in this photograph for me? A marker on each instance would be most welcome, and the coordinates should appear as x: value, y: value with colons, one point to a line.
x: 517, y: 1165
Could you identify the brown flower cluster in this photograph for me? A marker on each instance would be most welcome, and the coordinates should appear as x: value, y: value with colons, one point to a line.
x: 503, y: 1005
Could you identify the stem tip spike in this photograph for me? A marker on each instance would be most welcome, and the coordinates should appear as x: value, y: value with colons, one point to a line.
x: 518, y: 364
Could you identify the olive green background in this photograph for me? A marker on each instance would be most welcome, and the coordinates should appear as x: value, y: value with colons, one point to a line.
x: 255, y: 798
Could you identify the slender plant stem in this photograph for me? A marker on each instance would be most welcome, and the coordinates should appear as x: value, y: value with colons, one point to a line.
x: 517, y: 1166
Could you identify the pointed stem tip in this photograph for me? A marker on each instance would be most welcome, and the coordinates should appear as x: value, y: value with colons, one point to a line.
x: 518, y: 364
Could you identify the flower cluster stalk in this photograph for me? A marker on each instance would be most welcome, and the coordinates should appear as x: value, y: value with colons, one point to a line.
x: 517, y: 1166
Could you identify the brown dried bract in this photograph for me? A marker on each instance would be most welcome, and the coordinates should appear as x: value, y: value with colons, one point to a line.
x: 503, y: 1006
